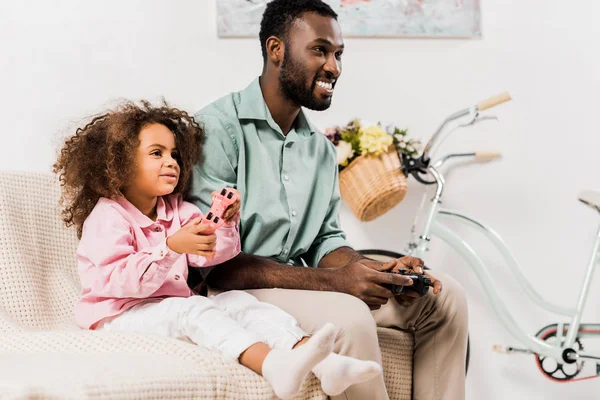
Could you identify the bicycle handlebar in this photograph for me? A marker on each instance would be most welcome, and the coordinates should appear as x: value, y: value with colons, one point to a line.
x: 482, y: 156
x: 493, y: 101
x: 478, y: 156
x: 473, y: 111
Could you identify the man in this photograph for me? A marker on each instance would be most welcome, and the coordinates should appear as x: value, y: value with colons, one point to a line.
x: 260, y: 142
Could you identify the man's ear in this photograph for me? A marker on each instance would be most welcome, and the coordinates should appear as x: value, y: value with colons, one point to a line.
x: 275, y: 50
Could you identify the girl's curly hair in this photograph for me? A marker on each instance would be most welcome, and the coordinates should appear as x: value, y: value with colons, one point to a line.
x: 99, y: 159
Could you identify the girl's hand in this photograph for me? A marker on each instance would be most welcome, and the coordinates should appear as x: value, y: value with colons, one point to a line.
x: 232, y: 212
x: 192, y: 239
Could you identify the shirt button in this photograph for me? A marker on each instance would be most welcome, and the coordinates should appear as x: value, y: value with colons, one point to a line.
x: 293, y: 213
x: 162, y: 253
x: 287, y: 178
x: 158, y: 229
x: 176, y: 277
x: 285, y: 251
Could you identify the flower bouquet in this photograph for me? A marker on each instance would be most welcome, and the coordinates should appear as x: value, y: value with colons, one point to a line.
x: 371, y: 179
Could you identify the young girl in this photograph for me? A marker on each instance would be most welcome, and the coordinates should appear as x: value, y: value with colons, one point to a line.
x: 123, y: 176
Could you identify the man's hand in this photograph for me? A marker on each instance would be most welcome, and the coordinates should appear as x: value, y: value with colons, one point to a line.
x: 412, y: 264
x: 415, y: 265
x: 365, y: 282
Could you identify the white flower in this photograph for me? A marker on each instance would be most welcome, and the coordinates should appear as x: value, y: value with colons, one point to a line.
x: 344, y: 152
x: 416, y: 146
x: 399, y: 138
x: 402, y: 145
x: 410, y: 148
x: 391, y: 129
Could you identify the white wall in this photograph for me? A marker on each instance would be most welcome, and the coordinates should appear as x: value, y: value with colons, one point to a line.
x: 63, y: 60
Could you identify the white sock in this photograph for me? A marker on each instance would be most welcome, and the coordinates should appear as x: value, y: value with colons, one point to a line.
x: 337, y: 373
x: 286, y: 370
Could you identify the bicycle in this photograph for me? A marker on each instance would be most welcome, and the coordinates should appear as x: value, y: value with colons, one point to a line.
x: 557, y: 347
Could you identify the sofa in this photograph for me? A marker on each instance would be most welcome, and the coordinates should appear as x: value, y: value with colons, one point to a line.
x: 43, y: 354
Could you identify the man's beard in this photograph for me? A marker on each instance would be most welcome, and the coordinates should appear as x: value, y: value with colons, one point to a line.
x: 292, y: 79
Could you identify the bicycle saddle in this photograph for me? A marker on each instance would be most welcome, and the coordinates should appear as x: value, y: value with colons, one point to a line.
x: 590, y: 198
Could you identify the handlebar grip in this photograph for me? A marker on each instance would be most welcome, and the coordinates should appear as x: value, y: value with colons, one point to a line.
x: 493, y: 101
x: 483, y: 156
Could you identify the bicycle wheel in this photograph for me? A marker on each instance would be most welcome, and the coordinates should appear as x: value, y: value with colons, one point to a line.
x: 387, y: 255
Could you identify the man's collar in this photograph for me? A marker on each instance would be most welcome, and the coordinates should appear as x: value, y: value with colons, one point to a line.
x: 252, y: 103
x: 252, y: 106
x: 303, y: 124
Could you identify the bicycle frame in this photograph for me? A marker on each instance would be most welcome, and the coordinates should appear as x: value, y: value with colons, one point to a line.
x: 434, y: 226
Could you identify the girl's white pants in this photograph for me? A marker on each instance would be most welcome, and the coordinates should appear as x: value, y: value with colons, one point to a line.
x: 229, y: 322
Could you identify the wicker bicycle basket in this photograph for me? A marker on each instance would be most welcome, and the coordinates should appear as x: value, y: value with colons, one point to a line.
x: 372, y: 185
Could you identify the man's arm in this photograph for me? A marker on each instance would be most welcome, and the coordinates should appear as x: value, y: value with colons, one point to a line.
x: 340, y: 257
x: 253, y: 272
x: 331, y: 239
x: 246, y: 271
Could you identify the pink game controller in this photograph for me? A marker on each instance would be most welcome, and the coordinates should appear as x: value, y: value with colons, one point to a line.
x: 214, y: 217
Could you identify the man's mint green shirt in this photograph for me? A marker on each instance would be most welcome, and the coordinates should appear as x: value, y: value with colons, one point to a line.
x: 288, y: 183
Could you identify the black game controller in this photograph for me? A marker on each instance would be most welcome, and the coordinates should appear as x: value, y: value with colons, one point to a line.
x: 420, y: 284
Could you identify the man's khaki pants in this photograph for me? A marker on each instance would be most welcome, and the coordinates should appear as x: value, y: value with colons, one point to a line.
x: 439, y: 323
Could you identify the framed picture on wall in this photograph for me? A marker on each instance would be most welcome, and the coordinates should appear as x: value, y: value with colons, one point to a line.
x: 368, y: 18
